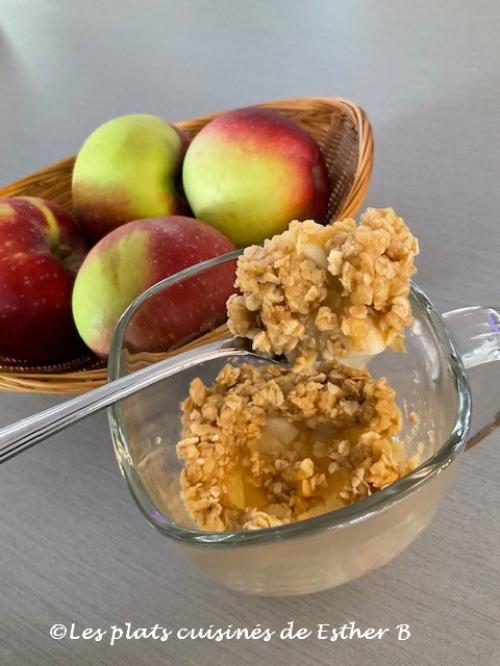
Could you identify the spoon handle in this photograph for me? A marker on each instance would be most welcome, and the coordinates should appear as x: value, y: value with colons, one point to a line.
x: 24, y: 434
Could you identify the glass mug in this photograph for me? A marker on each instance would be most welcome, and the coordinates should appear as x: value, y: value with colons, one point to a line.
x: 333, y: 548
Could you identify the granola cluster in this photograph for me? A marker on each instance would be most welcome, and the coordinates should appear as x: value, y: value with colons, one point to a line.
x: 266, y: 445
x: 324, y: 291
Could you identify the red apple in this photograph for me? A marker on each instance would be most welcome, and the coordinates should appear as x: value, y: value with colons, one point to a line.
x: 250, y: 172
x: 137, y: 255
x: 41, y: 249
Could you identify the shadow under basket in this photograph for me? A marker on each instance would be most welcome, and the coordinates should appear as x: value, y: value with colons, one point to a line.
x: 344, y: 134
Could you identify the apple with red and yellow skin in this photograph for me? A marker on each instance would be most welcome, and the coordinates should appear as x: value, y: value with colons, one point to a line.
x: 251, y: 171
x: 137, y: 255
x: 126, y: 170
x: 41, y: 249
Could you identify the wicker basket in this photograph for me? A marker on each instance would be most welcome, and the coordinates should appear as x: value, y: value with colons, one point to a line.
x: 339, y: 126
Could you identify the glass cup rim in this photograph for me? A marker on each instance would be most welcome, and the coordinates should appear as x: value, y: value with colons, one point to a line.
x: 351, y: 514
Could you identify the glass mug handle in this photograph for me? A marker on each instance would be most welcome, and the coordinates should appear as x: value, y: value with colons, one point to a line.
x: 476, y: 331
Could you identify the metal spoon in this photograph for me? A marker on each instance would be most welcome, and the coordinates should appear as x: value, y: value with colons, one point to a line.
x: 24, y: 434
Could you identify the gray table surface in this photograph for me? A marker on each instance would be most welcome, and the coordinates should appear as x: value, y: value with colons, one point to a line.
x: 74, y: 546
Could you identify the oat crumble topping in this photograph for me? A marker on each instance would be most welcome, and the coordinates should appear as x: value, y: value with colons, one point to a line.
x: 267, y: 445
x: 323, y: 292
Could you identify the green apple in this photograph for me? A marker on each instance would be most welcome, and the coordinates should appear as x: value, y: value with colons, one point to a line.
x: 128, y: 169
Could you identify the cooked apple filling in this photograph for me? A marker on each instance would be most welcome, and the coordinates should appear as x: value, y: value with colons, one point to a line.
x: 325, y: 292
x: 265, y: 445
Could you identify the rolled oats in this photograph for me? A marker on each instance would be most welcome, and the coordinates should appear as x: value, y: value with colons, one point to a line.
x: 266, y: 445
x: 323, y: 291
x: 289, y: 445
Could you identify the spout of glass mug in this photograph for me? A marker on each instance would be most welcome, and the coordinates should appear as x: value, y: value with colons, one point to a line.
x: 476, y: 331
